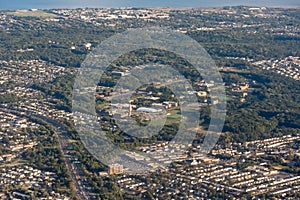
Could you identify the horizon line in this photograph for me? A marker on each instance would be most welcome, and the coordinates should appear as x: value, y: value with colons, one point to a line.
x: 155, y: 7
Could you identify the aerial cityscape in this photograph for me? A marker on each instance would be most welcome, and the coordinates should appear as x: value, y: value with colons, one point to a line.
x: 45, y: 122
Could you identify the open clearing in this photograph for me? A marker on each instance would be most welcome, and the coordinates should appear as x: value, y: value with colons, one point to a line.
x: 31, y: 13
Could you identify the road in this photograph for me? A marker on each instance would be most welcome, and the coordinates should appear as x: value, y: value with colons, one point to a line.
x: 75, y: 171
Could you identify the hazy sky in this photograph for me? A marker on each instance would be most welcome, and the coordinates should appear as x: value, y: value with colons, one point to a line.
x: 27, y: 4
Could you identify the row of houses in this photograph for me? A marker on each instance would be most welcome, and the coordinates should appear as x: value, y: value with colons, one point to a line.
x: 25, y: 176
x: 196, y: 175
x: 15, y: 135
x: 289, y: 66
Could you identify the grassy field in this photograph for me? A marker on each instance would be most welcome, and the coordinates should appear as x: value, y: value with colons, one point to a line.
x: 29, y: 13
x: 175, y: 116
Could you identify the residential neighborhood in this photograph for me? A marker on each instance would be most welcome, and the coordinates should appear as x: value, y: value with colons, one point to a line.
x: 256, y: 176
x: 63, y: 137
x: 289, y: 66
x: 29, y: 178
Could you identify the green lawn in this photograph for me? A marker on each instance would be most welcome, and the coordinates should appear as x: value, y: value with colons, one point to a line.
x: 175, y: 116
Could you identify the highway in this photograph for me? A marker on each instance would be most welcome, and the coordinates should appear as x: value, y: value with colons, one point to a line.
x: 75, y: 171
